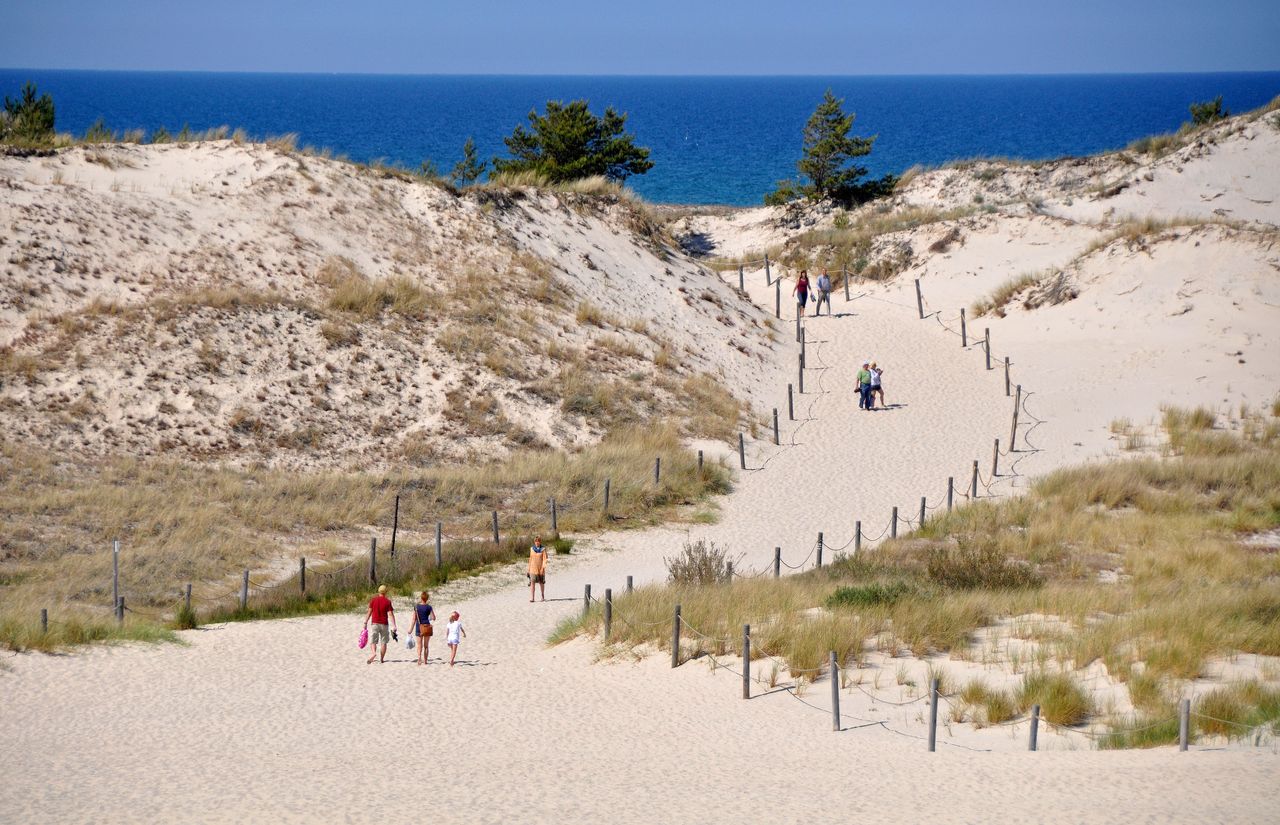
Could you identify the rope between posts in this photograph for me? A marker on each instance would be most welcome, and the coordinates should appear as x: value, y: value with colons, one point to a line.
x: 212, y: 599
x: 1240, y: 725
x: 799, y: 566
x: 882, y: 533
x: 835, y: 549
x: 685, y: 625
x: 143, y: 612
x: 888, y: 702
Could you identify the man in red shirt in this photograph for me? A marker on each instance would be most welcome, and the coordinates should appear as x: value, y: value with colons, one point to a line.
x: 380, y: 610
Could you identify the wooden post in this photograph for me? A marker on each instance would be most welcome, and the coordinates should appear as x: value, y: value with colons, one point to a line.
x: 586, y: 600
x: 919, y: 300
x: 767, y: 280
x: 742, y: 287
x: 657, y: 471
x: 923, y: 511
x: 973, y: 487
x: 800, y: 372
x: 1013, y: 431
x: 986, y: 344
x: 819, y: 548
x: 791, y: 404
x: 933, y: 715
x: 1035, y: 727
x: 120, y: 610
x: 857, y: 536
x: 845, y: 270
x: 728, y: 577
x: 777, y: 298
x: 395, y: 527
x: 44, y: 621
x: 628, y: 584
x: 608, y: 612
x: 699, y: 463
x: 776, y: 441
x: 115, y: 572
x: 777, y: 562
x: 555, y: 520
x: 1184, y: 723
x: 373, y: 561
x: 302, y: 575
x: 495, y: 528
x: 1008, y: 388
x: 746, y: 661
x: 964, y: 332
x: 995, y: 459
x: 675, y: 639
x: 951, y: 491
x: 244, y: 592
x: 606, y: 495
x: 835, y: 693
x: 188, y: 597
x: 893, y: 524
x: 439, y: 545
x: 798, y: 340
x: 802, y: 353
x: 742, y: 451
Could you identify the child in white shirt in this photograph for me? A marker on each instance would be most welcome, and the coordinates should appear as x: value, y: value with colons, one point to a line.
x: 454, y: 635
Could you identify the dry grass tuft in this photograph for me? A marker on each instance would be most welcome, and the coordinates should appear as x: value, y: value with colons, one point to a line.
x: 1003, y: 294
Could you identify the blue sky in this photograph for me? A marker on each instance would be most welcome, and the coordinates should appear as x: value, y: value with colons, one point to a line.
x: 823, y: 37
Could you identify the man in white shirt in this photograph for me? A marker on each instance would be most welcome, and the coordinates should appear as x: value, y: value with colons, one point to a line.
x: 824, y: 292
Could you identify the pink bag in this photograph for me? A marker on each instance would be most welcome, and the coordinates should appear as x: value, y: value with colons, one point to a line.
x: 364, y: 638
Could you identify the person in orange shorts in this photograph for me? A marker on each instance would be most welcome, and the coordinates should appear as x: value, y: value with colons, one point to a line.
x: 538, y: 568
x: 423, y: 616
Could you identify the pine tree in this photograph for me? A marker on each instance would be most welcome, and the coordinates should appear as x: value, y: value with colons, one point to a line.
x: 569, y: 142
x: 1208, y: 112
x: 29, y: 119
x: 827, y: 166
x: 470, y: 168
x: 829, y: 152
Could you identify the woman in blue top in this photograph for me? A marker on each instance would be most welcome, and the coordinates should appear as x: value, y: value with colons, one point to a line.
x: 423, y: 616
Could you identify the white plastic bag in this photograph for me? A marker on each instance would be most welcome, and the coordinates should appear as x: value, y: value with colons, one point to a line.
x: 408, y: 643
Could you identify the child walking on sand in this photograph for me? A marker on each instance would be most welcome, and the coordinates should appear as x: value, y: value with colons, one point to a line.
x: 423, y: 616
x: 454, y: 634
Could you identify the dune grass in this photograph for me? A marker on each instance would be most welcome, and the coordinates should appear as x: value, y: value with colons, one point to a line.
x: 184, y: 523
x: 1182, y: 590
x: 1239, y: 710
x: 851, y: 246
x: 1000, y: 297
x: 80, y: 627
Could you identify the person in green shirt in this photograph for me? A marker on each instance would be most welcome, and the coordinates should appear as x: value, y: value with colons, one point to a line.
x: 864, y: 387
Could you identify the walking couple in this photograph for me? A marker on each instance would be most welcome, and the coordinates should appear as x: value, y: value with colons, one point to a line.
x: 803, y: 290
x: 869, y: 386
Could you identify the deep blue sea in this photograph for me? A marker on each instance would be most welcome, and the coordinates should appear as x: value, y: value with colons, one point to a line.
x: 713, y: 139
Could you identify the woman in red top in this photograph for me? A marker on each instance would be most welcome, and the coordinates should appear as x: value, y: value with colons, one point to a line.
x: 801, y: 292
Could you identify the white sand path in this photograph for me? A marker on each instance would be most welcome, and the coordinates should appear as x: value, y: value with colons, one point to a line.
x: 283, y: 721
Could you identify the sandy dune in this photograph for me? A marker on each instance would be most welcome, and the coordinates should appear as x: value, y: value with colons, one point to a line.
x: 288, y: 715
x: 283, y: 720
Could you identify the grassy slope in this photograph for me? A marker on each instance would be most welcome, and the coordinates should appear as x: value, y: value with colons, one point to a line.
x: 184, y: 523
x: 1140, y: 561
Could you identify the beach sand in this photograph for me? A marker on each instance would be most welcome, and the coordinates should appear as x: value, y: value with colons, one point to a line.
x: 283, y: 721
